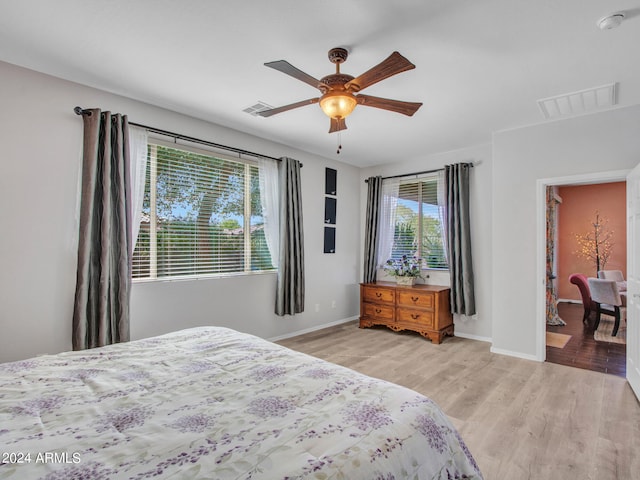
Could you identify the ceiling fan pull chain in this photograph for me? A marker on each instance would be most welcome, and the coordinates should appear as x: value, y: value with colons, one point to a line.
x: 339, y: 143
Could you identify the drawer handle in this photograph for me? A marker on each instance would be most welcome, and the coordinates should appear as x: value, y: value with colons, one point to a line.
x: 378, y: 310
x: 378, y: 294
x: 415, y: 299
x: 415, y: 316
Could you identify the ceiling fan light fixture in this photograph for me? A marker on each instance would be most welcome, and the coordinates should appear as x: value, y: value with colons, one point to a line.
x: 338, y: 104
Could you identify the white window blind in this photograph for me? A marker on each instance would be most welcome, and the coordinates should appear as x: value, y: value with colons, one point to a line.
x: 201, y: 216
x: 419, y: 223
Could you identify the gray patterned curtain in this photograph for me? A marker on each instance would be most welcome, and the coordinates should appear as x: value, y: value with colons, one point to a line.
x: 101, y: 308
x: 458, y: 231
x: 290, y: 287
x: 374, y: 198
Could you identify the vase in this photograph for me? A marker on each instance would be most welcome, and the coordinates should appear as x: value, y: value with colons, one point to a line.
x: 406, y: 281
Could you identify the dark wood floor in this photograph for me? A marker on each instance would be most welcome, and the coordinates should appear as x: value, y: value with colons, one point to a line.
x: 583, y: 351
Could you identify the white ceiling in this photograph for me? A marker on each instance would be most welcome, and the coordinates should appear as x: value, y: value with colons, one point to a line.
x: 480, y: 65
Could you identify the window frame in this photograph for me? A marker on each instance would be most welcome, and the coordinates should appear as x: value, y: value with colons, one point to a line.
x: 181, y: 144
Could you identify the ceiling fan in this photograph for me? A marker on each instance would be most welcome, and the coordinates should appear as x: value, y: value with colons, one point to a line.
x: 339, y: 90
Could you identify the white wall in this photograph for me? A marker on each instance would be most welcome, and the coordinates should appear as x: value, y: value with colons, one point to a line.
x: 41, y: 142
x: 478, y: 326
x: 601, y: 142
x: 40, y: 166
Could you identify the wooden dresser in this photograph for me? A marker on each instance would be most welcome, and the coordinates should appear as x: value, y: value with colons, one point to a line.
x: 422, y: 308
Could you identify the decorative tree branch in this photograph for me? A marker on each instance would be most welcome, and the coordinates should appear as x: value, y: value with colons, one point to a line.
x: 596, y: 245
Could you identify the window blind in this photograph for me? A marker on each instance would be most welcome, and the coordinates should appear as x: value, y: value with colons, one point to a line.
x: 418, y: 224
x: 201, y: 216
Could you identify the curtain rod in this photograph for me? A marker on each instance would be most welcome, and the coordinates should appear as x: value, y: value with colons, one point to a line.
x: 81, y: 111
x: 468, y: 164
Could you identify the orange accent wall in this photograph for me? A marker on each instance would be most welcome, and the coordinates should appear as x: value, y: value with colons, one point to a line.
x: 576, y: 215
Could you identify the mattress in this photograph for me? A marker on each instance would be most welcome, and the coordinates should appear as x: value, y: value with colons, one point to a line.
x: 214, y: 403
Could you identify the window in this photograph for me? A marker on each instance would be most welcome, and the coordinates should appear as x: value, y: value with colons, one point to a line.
x: 201, y: 216
x: 419, y: 223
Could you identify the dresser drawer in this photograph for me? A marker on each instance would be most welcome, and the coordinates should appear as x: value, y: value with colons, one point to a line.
x: 383, y: 312
x: 413, y: 298
x: 379, y: 295
x: 416, y: 317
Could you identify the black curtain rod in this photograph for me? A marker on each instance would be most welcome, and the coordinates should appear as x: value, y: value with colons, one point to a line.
x: 366, y: 180
x: 81, y: 111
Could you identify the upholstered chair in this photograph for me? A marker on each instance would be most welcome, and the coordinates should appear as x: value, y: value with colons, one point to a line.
x: 608, y: 300
x: 589, y: 305
x: 616, y: 276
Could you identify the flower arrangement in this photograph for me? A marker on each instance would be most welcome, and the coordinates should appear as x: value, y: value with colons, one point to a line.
x: 404, y: 267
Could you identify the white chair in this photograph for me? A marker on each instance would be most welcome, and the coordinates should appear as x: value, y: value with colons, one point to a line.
x: 608, y: 300
x: 616, y: 276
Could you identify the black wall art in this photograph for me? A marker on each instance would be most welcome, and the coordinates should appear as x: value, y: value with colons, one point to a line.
x: 330, y: 181
x: 329, y: 240
x: 330, y: 209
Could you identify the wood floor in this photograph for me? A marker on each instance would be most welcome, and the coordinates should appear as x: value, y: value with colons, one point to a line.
x: 582, y: 351
x: 521, y: 419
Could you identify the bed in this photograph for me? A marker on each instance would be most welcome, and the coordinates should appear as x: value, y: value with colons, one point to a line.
x: 214, y: 403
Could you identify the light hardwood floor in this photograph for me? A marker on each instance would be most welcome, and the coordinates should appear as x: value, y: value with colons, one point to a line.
x: 521, y: 419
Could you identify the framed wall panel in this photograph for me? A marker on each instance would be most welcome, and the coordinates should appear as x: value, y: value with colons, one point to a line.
x: 330, y: 209
x: 330, y: 205
x: 330, y: 181
x: 329, y: 240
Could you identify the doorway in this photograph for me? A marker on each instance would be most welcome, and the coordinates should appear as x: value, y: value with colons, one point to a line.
x: 590, y: 235
x: 580, y: 349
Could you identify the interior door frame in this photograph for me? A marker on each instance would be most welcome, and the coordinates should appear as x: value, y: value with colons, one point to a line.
x: 633, y: 281
x: 541, y: 241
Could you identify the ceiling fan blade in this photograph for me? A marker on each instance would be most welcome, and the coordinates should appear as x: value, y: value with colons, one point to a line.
x: 406, y: 108
x: 393, y: 64
x: 337, y: 124
x: 285, y: 67
x: 291, y: 106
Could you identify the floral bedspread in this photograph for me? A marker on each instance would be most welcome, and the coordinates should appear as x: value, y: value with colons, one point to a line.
x: 217, y: 404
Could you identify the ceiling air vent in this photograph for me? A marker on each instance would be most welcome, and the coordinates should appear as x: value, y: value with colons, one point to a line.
x: 578, y: 103
x: 257, y: 108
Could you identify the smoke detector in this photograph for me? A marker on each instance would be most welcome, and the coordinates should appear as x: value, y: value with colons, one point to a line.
x: 611, y: 21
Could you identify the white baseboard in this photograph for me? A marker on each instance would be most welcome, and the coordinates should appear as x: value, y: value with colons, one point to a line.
x: 356, y: 317
x: 312, y: 329
x: 509, y: 353
x: 473, y: 337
